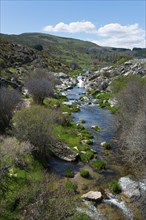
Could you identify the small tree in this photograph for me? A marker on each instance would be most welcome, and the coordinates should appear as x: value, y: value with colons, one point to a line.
x: 9, y: 99
x: 40, y: 85
x: 36, y: 126
x: 39, y: 89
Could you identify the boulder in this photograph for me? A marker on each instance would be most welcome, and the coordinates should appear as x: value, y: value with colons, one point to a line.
x: 92, y: 195
x: 130, y: 188
x: 63, y: 75
x: 63, y: 152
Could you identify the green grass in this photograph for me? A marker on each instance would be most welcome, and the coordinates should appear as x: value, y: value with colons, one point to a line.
x: 69, y: 173
x: 114, y: 187
x: 107, y: 146
x: 20, y: 187
x: 84, y: 173
x: 85, y: 157
x: 98, y: 165
x: 70, y: 186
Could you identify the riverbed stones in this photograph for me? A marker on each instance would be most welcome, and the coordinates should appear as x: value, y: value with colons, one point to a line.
x: 92, y: 195
x: 130, y: 188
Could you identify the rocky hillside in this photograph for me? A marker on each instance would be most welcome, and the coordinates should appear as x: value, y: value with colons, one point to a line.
x: 101, y: 79
x: 21, y: 54
x: 73, y: 51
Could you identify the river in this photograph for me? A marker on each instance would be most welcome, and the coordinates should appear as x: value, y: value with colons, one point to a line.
x: 113, y: 208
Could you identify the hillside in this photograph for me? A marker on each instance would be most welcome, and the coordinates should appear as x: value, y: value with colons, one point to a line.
x: 69, y: 50
x: 21, y: 54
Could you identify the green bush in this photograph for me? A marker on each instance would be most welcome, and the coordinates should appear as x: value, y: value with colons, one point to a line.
x: 84, y: 173
x: 82, y: 121
x: 35, y: 125
x: 98, y: 165
x: 114, y: 186
x: 87, y: 156
x: 107, y: 146
x: 69, y: 173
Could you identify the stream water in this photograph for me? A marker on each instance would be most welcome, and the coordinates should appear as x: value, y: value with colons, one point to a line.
x: 94, y: 115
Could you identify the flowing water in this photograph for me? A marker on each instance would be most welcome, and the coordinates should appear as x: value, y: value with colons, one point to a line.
x: 95, y: 116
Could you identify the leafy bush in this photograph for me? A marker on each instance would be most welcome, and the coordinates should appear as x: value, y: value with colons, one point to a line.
x: 9, y: 99
x: 36, y: 126
x: 114, y: 186
x: 84, y: 173
x: 69, y: 173
x: 98, y: 164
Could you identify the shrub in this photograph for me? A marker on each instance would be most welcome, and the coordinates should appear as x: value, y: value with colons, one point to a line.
x: 9, y: 99
x: 39, y: 89
x: 106, y: 145
x: 98, y: 164
x: 40, y: 85
x: 132, y: 124
x: 114, y: 186
x: 70, y: 186
x: 35, y: 125
x: 84, y: 173
x: 87, y: 156
x: 69, y: 173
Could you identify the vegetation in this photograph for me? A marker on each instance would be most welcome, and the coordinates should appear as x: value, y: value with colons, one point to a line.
x: 132, y: 124
x: 9, y: 99
x: 35, y: 125
x: 69, y: 173
x: 98, y: 165
x: 114, y: 186
x: 40, y: 85
x: 84, y: 173
x: 106, y: 146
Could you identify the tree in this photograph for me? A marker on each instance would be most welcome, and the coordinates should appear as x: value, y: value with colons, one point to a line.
x: 132, y: 125
x: 40, y: 85
x: 36, y: 126
x: 9, y: 99
x: 39, y: 89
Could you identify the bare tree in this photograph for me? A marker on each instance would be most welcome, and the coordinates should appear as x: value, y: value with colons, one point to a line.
x: 132, y: 125
x: 9, y: 99
x: 41, y: 84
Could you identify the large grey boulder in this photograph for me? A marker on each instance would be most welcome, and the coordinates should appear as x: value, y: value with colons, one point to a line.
x: 130, y: 188
x: 92, y: 195
x: 63, y: 152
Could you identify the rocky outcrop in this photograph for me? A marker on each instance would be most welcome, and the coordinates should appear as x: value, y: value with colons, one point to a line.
x: 101, y: 79
x: 92, y: 195
x: 63, y: 152
x: 130, y: 188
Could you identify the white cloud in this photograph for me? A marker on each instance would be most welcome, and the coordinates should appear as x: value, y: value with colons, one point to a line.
x: 116, y: 35
x: 73, y: 27
x: 112, y: 35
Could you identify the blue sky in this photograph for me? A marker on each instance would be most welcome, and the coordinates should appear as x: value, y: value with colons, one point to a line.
x: 107, y: 23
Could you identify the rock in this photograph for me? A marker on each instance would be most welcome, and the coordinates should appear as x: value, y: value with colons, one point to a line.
x: 63, y: 152
x: 130, y: 188
x: 63, y: 75
x: 92, y: 195
x: 67, y: 103
x: 96, y: 128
